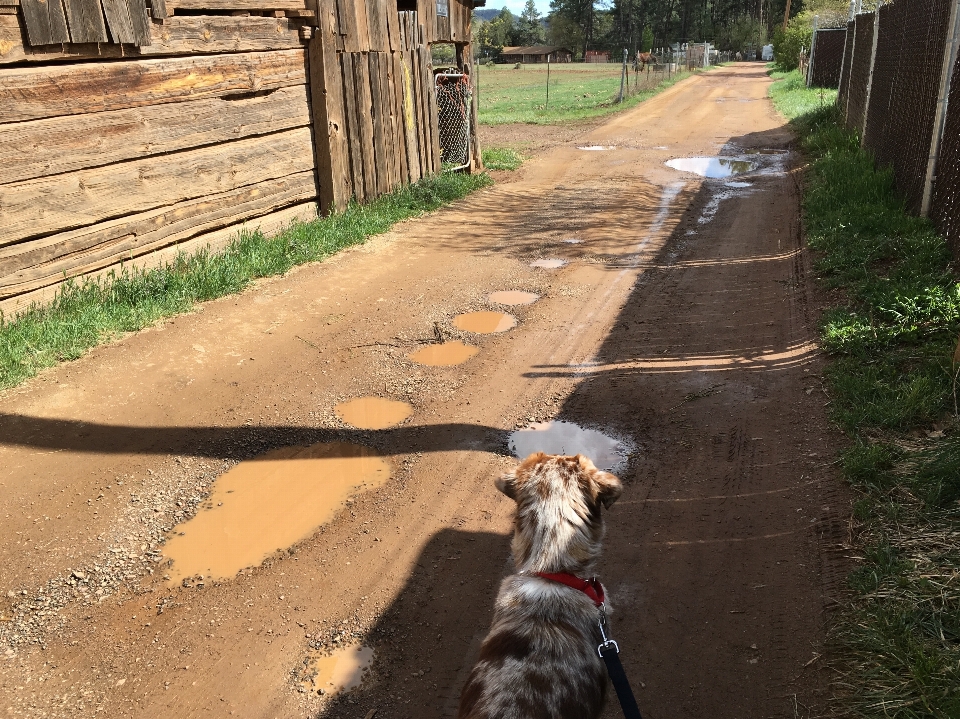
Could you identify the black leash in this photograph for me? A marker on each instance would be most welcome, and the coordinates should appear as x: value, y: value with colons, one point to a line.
x: 610, y: 653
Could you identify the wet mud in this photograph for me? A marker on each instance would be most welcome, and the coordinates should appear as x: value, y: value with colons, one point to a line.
x: 485, y: 323
x: 373, y: 412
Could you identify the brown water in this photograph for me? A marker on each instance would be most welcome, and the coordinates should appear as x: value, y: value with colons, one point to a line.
x: 549, y: 264
x: 485, y: 323
x: 270, y: 503
x: 444, y: 355
x: 342, y: 670
x: 567, y: 438
x: 373, y: 412
x: 513, y: 297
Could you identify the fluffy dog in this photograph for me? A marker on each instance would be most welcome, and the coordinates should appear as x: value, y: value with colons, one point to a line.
x: 540, y: 659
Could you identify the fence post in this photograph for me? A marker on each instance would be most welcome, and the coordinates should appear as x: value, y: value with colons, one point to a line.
x: 813, y: 47
x: 873, y: 60
x: 546, y: 105
x: 623, y: 74
x: 939, y: 121
x: 843, y: 63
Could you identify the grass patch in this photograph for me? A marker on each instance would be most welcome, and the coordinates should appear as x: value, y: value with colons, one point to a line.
x: 502, y: 158
x: 578, y: 91
x: 87, y: 313
x: 892, y: 379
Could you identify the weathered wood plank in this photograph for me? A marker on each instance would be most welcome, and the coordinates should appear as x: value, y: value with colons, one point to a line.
x: 361, y: 79
x: 29, y: 265
x: 54, y: 204
x: 184, y: 35
x: 363, y: 26
x: 393, y: 24
x: 52, y: 146
x: 398, y: 112
x: 388, y: 97
x: 382, y: 176
x: 137, y: 9
x: 85, y: 20
x: 329, y: 122
x: 410, y: 117
x: 267, y: 224
x: 347, y: 25
x: 46, y: 21
x: 31, y: 93
x: 355, y: 142
x: 158, y: 9
x: 173, y: 5
x: 433, y: 111
x: 377, y: 25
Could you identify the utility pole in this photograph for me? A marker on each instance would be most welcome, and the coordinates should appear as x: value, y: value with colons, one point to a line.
x: 786, y: 16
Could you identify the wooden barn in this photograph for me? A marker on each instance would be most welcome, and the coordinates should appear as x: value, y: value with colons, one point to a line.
x: 133, y: 129
x: 536, y: 54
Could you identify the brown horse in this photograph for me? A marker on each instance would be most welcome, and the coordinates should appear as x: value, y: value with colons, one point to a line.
x: 642, y: 60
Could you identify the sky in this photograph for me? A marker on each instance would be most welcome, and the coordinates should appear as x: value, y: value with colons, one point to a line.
x: 516, y: 6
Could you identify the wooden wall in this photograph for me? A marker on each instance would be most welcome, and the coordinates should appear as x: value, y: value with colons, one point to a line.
x: 372, y: 70
x: 231, y: 114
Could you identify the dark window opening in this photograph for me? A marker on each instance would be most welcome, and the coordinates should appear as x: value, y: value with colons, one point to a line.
x: 406, y: 5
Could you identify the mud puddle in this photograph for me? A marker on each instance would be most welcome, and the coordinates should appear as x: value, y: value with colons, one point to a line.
x: 712, y: 167
x: 512, y: 297
x: 596, y: 148
x: 373, y: 412
x: 559, y: 437
x: 270, y: 503
x: 341, y: 671
x: 444, y: 355
x: 485, y: 323
x: 552, y: 263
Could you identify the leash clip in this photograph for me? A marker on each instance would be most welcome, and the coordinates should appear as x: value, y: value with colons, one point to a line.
x: 607, y: 641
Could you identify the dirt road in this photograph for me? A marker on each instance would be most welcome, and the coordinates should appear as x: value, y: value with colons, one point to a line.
x: 681, y: 325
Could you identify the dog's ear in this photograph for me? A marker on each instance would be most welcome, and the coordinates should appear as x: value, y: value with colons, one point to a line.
x: 507, y: 483
x: 604, y: 487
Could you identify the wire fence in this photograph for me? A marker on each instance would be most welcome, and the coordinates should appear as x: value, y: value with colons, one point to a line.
x: 827, y: 58
x: 453, y: 108
x: 890, y: 91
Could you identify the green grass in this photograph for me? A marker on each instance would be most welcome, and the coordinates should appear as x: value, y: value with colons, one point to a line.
x: 87, y: 313
x: 578, y: 91
x: 501, y: 158
x: 890, y: 337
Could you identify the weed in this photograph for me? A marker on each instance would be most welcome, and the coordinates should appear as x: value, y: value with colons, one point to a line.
x: 501, y: 158
x: 89, y: 312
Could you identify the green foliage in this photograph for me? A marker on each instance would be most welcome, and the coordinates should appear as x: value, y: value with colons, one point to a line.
x: 787, y: 44
x: 530, y: 26
x: 501, y: 158
x: 890, y: 334
x: 87, y: 313
x: 646, y: 39
x: 740, y: 33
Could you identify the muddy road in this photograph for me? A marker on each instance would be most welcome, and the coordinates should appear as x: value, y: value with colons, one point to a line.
x: 679, y: 324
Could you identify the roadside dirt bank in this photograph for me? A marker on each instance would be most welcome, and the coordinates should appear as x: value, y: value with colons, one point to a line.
x: 682, y: 324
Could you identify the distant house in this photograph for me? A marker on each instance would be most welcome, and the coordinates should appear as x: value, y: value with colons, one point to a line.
x: 536, y: 53
x: 596, y: 56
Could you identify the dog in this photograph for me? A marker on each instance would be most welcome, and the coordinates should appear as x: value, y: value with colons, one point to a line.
x: 540, y: 657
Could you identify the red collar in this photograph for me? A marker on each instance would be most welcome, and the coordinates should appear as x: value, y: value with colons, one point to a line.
x: 591, y: 587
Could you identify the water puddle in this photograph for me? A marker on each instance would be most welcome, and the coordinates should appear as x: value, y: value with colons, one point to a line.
x: 270, y: 503
x: 444, y: 355
x: 738, y: 185
x: 573, y: 241
x: 597, y: 148
x: 513, y: 297
x: 373, y: 412
x: 485, y: 323
x: 712, y: 167
x: 341, y: 671
x: 549, y: 264
x: 766, y: 151
x: 560, y: 437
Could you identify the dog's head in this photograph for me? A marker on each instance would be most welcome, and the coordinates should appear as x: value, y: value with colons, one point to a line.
x: 558, y: 524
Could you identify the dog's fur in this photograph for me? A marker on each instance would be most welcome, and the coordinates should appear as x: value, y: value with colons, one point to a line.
x: 540, y: 658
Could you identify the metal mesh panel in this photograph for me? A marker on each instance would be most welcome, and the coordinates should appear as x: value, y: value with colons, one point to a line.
x: 945, y: 210
x: 900, y: 137
x: 860, y: 71
x: 844, y: 92
x: 827, y: 57
x: 453, y: 104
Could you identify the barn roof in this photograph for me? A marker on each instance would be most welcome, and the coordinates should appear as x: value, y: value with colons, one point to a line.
x: 532, y: 50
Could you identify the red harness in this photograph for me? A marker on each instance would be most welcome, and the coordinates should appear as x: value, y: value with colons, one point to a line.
x: 591, y: 587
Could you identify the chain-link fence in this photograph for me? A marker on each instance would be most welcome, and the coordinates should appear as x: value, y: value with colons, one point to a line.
x: 827, y: 59
x: 453, y: 105
x: 891, y: 90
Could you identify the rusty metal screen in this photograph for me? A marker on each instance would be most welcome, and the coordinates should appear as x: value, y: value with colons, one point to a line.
x: 859, y: 71
x: 827, y: 57
x: 945, y: 210
x: 844, y: 94
x: 906, y: 76
x: 453, y: 106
